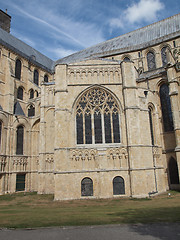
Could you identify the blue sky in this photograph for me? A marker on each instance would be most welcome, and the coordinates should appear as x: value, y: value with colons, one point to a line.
x: 58, y: 28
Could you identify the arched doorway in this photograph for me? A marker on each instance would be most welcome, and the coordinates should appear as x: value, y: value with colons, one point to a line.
x: 173, y: 171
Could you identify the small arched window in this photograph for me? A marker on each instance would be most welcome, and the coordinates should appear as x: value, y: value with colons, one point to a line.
x: 151, y: 61
x: 118, y: 186
x: 151, y: 124
x: 19, y: 140
x: 173, y: 171
x: 31, y: 93
x: 18, y: 69
x: 31, y: 111
x: 36, y: 77
x: 164, y: 56
x: 97, y: 118
x: 20, y: 93
x: 45, y: 78
x: 126, y: 59
x: 166, y: 108
x: 87, y: 187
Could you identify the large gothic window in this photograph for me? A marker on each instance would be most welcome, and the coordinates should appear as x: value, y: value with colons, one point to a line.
x: 97, y: 118
x: 36, y: 77
x: 20, y: 93
x: 19, y: 140
x: 164, y: 56
x: 166, y: 108
x: 18, y: 69
x: 151, y: 61
x: 118, y: 186
x: 87, y: 187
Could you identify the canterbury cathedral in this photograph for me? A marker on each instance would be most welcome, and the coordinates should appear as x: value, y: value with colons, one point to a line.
x: 101, y: 123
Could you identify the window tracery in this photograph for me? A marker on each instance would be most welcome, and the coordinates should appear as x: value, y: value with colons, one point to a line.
x: 151, y: 61
x: 164, y: 56
x: 97, y: 118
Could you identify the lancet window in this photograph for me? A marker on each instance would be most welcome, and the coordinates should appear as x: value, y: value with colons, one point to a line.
x: 166, y: 108
x: 97, y: 118
x: 18, y: 69
x: 151, y: 61
x: 164, y: 56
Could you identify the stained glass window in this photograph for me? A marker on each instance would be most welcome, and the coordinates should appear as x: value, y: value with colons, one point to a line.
x: 18, y: 69
x: 151, y: 61
x: 97, y: 118
x: 19, y: 140
x: 164, y: 56
x: 36, y: 77
x: 166, y: 108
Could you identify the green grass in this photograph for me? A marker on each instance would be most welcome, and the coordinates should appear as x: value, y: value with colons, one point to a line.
x: 31, y: 210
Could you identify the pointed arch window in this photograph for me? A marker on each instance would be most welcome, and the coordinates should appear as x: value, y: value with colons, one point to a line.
x: 164, y: 56
x: 19, y: 140
x: 20, y: 93
x: 18, y: 69
x: 31, y: 94
x: 97, y: 118
x: 36, y: 77
x: 166, y: 108
x: 151, y: 62
x: 151, y: 124
x: 126, y: 59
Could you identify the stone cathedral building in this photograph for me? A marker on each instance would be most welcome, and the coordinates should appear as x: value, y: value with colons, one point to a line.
x: 101, y: 123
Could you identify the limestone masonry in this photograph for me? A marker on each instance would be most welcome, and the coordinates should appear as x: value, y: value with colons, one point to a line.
x: 101, y: 123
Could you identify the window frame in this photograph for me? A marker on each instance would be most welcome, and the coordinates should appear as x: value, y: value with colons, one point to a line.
x: 92, y: 113
x: 36, y: 77
x: 20, y: 141
x: 151, y: 61
x: 18, y: 69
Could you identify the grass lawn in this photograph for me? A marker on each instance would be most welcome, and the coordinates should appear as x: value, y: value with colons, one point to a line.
x: 32, y: 210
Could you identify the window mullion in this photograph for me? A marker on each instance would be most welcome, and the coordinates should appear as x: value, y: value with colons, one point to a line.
x: 84, y: 135
x: 103, y: 128
x: 92, y: 124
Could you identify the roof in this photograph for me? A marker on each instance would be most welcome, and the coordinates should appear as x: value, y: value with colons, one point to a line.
x: 141, y: 38
x: 26, y: 51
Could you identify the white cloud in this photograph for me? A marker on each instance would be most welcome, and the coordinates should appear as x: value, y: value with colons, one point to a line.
x: 60, y: 52
x: 144, y: 10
